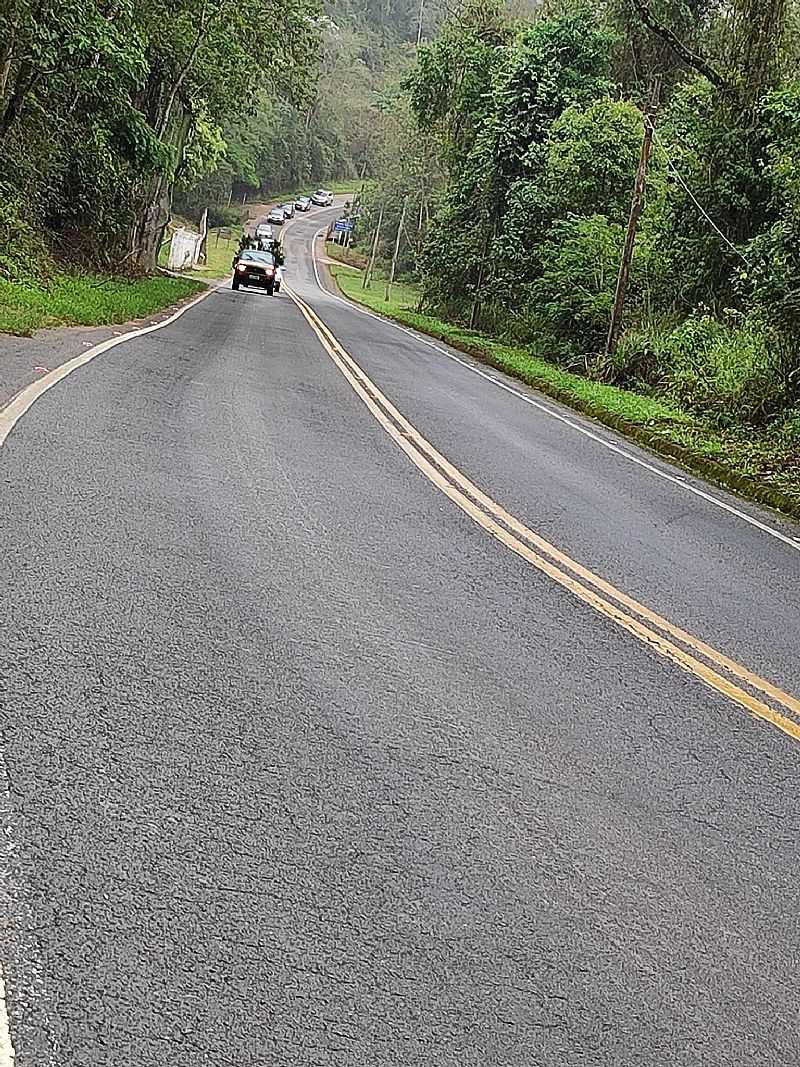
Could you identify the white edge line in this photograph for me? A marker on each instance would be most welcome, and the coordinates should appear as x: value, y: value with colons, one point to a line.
x: 682, y: 483
x: 27, y: 397
x: 6, y: 1047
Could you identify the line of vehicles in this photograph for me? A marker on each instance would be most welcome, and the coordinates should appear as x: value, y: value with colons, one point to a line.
x: 283, y: 212
x: 261, y: 264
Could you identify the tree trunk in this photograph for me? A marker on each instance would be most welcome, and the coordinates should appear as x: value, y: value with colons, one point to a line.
x: 7, y: 51
x: 26, y: 79
x: 147, y: 230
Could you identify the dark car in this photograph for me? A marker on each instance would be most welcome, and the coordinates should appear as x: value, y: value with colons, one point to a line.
x: 255, y: 268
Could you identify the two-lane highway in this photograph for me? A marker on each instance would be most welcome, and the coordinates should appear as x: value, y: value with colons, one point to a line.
x: 306, y: 763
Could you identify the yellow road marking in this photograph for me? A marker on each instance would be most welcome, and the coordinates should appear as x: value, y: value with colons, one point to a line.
x: 488, y: 514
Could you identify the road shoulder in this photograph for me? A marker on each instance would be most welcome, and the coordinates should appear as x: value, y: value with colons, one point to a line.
x: 24, y: 360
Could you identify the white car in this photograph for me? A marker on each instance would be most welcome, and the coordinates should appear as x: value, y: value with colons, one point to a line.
x: 264, y: 232
x: 322, y: 198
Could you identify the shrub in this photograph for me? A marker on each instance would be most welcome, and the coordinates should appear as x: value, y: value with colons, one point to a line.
x: 735, y: 372
x: 575, y: 291
x: 221, y: 215
x: 724, y: 370
x: 23, y: 254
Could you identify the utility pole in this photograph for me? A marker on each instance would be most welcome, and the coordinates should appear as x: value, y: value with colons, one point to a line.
x: 390, y: 282
x: 354, y: 212
x: 637, y: 206
x: 365, y: 281
x: 419, y: 22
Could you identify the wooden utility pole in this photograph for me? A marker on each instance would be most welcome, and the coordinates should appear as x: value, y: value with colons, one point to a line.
x: 354, y: 211
x: 419, y: 22
x: 637, y: 206
x: 390, y: 281
x: 365, y: 281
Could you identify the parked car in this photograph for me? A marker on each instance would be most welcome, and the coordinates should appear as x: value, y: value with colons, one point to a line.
x: 288, y: 210
x: 303, y: 203
x: 276, y: 216
x: 322, y: 198
x: 264, y: 232
x: 257, y: 269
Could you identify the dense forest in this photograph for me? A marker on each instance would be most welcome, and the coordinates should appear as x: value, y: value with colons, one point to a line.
x: 517, y: 143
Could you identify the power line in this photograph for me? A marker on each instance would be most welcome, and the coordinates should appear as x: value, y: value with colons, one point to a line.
x: 698, y: 205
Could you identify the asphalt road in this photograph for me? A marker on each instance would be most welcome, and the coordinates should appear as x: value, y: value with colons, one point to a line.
x: 303, y: 767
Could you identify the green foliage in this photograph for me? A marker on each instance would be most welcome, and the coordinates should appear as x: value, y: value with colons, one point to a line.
x: 23, y: 255
x: 496, y: 203
x: 102, y: 105
x: 556, y: 64
x: 539, y: 149
x: 590, y: 157
x: 224, y: 216
x: 574, y: 292
x: 735, y: 372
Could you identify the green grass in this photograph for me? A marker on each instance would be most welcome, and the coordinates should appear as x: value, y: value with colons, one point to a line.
x: 761, y: 464
x: 87, y: 300
x: 346, y: 185
x: 219, y: 254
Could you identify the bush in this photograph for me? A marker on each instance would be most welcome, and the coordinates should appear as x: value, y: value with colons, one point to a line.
x: 221, y: 215
x: 23, y: 254
x: 575, y: 292
x: 736, y: 373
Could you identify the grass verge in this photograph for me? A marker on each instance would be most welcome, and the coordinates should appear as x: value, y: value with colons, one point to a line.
x: 87, y: 300
x: 761, y: 465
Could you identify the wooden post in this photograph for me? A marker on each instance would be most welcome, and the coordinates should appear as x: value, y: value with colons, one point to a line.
x: 203, y: 249
x: 357, y: 202
x: 637, y: 206
x: 365, y: 281
x: 396, y: 252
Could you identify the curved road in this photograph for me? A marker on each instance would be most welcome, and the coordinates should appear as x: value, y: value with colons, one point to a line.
x: 361, y: 708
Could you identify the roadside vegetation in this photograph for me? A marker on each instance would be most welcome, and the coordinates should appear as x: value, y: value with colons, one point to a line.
x: 511, y: 161
x: 87, y: 300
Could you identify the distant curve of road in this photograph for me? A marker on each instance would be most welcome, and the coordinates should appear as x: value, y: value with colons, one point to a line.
x: 306, y: 762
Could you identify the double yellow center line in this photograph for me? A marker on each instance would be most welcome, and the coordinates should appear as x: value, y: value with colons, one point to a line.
x: 747, y: 689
